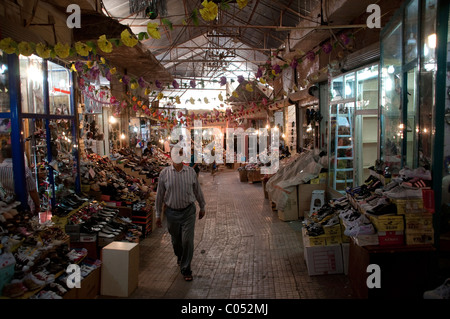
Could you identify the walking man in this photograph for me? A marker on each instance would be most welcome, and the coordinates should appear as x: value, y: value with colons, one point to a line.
x: 178, y: 189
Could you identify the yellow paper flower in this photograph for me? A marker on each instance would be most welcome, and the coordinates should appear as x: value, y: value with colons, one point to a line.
x: 192, y: 100
x: 134, y: 86
x: 102, y: 59
x: 242, y: 3
x: 62, y: 50
x: 25, y: 48
x: 209, y: 11
x: 262, y: 81
x: 235, y: 94
x: 82, y: 48
x: 43, y: 51
x: 160, y: 96
x: 177, y: 99
x: 8, y: 45
x: 152, y: 30
x: 206, y: 100
x: 128, y: 39
x: 113, y: 70
x: 104, y: 44
x: 220, y: 97
x: 249, y: 87
x: 90, y: 64
x: 147, y: 91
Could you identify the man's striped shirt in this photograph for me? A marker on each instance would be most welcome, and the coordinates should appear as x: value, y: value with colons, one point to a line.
x: 178, y: 189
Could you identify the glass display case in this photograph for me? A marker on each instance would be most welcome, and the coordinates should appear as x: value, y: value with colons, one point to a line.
x: 407, y: 85
x: 353, y: 126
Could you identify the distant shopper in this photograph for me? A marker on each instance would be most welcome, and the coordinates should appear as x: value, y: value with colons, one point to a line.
x: 178, y: 189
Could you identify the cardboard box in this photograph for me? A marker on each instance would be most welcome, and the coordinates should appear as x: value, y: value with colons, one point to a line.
x: 290, y: 211
x: 345, y: 256
x: 419, y: 237
x: 120, y: 269
x: 304, y: 192
x: 405, y: 206
x: 387, y: 238
x: 388, y: 222
x: 324, y: 260
x: 419, y: 222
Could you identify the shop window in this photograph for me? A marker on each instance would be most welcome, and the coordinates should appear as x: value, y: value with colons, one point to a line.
x: 411, y: 31
x: 391, y: 97
x: 59, y: 89
x: 4, y: 83
x: 32, y: 84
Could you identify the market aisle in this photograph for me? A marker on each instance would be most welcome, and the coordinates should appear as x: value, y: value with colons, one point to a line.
x: 242, y: 251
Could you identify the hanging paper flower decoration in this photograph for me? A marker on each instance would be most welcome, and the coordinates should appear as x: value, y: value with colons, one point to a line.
x: 240, y: 79
x: 242, y: 3
x: 209, y: 10
x: 223, y: 81
x: 134, y: 85
x: 177, y: 100
x: 259, y: 73
x: 152, y: 30
x: 43, y: 51
x: 141, y: 82
x: 175, y: 84
x: 82, y: 48
x: 344, y: 38
x: 125, y: 79
x: 78, y: 66
x: 235, y: 94
x: 147, y: 91
x: 327, y: 48
x: 158, y: 84
x: 310, y: 56
x: 220, y: 97
x: 25, y: 48
x: 104, y: 44
x: 62, y: 50
x: 113, y: 70
x: 249, y: 87
x: 192, y: 84
x: 160, y: 96
x: 8, y: 45
x: 294, y: 64
x: 192, y: 100
x: 206, y: 100
x: 128, y: 39
x: 276, y: 69
x: 262, y: 80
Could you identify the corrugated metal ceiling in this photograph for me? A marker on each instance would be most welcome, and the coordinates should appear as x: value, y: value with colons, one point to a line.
x: 188, y: 50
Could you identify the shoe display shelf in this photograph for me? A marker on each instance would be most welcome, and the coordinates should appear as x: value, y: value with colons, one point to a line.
x: 144, y: 219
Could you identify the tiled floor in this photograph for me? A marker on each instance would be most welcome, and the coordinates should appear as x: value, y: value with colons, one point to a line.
x: 242, y: 251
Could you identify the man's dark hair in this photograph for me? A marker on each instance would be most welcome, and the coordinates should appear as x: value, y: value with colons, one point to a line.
x: 7, y: 151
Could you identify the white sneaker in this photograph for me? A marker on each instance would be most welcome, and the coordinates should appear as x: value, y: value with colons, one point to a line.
x: 402, y: 192
x: 360, y: 229
x: 441, y: 292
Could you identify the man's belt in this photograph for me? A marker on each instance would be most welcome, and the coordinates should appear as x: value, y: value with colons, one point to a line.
x: 180, y: 209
